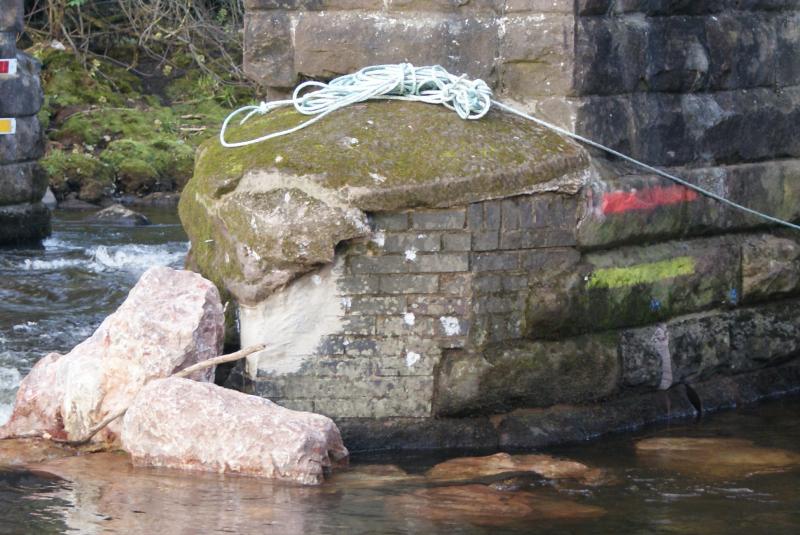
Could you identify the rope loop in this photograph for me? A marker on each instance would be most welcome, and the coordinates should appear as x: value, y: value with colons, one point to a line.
x: 470, y: 99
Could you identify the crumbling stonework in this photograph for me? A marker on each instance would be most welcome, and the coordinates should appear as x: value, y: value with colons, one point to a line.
x: 23, y: 217
x: 480, y: 311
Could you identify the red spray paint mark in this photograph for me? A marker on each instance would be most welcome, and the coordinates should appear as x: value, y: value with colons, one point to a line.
x: 647, y: 199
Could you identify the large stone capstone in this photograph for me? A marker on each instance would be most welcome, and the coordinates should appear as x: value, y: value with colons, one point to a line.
x: 171, y: 320
x: 261, y: 215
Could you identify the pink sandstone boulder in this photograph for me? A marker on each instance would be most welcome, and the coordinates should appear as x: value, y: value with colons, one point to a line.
x: 178, y: 423
x: 170, y: 320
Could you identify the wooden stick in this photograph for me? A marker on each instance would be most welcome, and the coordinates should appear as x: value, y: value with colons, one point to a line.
x: 222, y: 359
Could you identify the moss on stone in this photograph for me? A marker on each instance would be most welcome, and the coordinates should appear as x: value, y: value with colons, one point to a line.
x: 68, y: 83
x: 143, y: 166
x: 77, y: 172
x: 390, y: 154
x: 102, y: 110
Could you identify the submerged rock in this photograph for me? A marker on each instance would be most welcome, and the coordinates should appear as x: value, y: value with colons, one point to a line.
x: 170, y: 320
x: 715, y: 457
x: 485, y: 506
x: 108, y: 494
x: 24, y: 452
x: 178, y: 423
x: 76, y: 204
x: 116, y: 214
x: 372, y: 476
x: 548, y: 467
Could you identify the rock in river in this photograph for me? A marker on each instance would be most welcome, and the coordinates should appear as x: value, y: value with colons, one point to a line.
x: 485, y: 506
x: 548, y: 467
x: 178, y: 423
x: 715, y: 458
x: 116, y: 214
x: 170, y: 320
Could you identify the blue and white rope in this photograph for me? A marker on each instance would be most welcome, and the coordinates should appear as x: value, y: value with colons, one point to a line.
x: 470, y: 99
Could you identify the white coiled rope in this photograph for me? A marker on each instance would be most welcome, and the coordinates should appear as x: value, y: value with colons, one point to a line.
x: 470, y: 99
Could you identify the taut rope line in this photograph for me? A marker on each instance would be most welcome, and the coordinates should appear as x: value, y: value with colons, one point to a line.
x: 470, y: 99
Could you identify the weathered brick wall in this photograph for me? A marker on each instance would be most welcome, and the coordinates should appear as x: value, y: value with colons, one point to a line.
x: 22, y: 182
x: 631, y: 287
x: 497, y: 305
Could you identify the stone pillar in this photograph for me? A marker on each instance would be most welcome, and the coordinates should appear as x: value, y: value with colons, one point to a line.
x: 23, y: 218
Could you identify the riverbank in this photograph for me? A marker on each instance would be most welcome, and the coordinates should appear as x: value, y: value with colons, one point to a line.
x: 114, y: 134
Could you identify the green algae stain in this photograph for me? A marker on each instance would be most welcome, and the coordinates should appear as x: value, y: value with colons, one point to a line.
x: 642, y: 273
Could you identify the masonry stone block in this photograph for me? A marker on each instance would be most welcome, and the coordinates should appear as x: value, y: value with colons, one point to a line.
x: 452, y: 241
x: 674, y: 129
x: 409, y: 284
x: 742, y: 49
x: 770, y: 267
x: 537, y: 54
x: 268, y: 48
x: 378, y: 264
x: 439, y: 220
x: 372, y: 305
x: 8, y: 44
x: 22, y: 93
x: 458, y: 43
x: 611, y: 54
x: 679, y: 7
x: 539, y: 6
x: 11, y: 16
x: 788, y: 43
x: 26, y: 144
x: 644, y: 353
x: 619, y: 208
x: 21, y: 182
x: 532, y: 374
x: 358, y: 284
x: 699, y: 347
x: 634, y: 286
x: 402, y: 242
x: 311, y: 5
x: 440, y: 263
x: 766, y: 335
x: 390, y: 221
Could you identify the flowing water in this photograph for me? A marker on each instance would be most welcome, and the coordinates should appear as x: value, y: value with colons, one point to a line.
x: 53, y: 297
x: 747, y: 480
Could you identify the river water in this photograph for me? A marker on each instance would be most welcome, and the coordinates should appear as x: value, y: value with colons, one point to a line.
x: 746, y: 480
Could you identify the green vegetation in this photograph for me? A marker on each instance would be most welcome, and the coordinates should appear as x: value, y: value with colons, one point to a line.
x: 132, y: 87
x: 108, y: 135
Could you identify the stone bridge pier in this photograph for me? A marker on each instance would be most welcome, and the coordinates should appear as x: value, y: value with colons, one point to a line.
x: 515, y: 290
x: 23, y: 217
